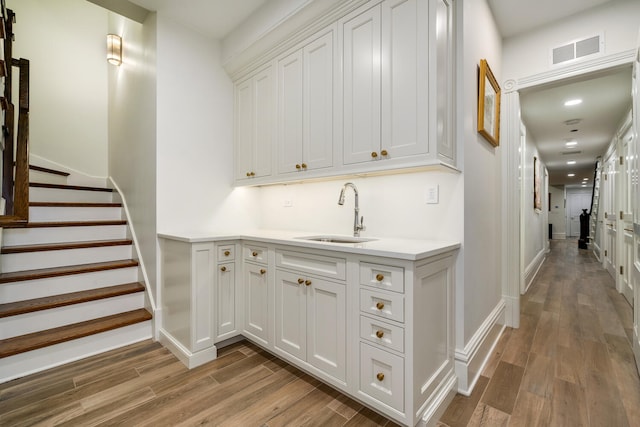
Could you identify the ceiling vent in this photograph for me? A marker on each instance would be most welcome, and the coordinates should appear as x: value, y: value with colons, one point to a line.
x: 568, y: 153
x: 578, y: 49
x: 572, y: 122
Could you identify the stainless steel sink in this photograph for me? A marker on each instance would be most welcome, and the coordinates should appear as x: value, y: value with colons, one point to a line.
x: 336, y: 239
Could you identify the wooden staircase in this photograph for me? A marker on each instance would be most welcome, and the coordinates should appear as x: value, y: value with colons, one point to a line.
x: 69, y: 285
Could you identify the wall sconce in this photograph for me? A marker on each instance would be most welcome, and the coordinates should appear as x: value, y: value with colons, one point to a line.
x: 114, y: 49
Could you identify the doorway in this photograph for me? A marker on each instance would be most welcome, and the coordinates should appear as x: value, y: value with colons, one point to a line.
x: 576, y: 202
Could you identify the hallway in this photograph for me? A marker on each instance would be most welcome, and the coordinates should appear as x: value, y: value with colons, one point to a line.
x: 570, y: 363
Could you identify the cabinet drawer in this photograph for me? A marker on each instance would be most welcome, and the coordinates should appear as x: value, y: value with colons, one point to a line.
x: 382, y: 376
x: 226, y: 253
x: 255, y: 253
x: 334, y: 268
x: 382, y: 333
x: 388, y: 306
x: 382, y: 276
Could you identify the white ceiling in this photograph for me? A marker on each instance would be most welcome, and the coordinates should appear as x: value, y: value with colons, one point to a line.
x: 213, y: 18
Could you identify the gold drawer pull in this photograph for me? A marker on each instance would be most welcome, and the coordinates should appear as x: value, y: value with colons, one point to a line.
x: 223, y: 268
x: 384, y: 152
x: 379, y: 277
x: 262, y: 271
x: 374, y: 154
x: 380, y: 305
x: 300, y: 281
x: 307, y: 282
x: 379, y: 334
x: 298, y: 167
x: 380, y: 376
x: 304, y: 166
x: 254, y: 253
x: 227, y: 253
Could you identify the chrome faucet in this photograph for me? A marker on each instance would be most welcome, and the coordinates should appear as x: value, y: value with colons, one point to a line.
x: 358, y: 224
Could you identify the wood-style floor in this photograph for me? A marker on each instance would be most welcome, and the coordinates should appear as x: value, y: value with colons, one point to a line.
x: 570, y: 363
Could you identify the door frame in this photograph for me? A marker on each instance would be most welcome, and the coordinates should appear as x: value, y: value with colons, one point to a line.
x: 512, y: 272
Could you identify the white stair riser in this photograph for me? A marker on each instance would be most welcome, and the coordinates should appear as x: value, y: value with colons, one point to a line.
x: 48, y: 214
x: 34, y: 361
x: 49, y: 259
x: 45, y: 235
x: 37, y: 194
x: 47, y: 178
x: 47, y: 319
x: 39, y: 288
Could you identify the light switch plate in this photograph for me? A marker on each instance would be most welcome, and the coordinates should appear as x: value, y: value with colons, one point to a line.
x: 433, y: 195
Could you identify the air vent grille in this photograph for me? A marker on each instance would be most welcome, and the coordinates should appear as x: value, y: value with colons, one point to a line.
x: 577, y: 49
x: 568, y: 153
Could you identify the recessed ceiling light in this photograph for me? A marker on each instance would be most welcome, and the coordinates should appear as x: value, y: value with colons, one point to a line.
x: 572, y: 102
x: 571, y: 143
x: 571, y: 174
x: 585, y: 179
x: 583, y: 186
x: 571, y: 162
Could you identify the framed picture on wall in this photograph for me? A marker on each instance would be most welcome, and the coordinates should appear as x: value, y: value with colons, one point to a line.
x: 488, y: 105
x: 537, y: 197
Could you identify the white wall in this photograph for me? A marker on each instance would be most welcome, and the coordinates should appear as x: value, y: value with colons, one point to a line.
x: 478, y: 282
x: 194, y: 137
x: 132, y: 130
x: 528, y: 54
x: 68, y: 88
x: 557, y: 216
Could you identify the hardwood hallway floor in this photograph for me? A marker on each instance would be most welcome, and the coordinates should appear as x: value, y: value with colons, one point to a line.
x: 569, y: 364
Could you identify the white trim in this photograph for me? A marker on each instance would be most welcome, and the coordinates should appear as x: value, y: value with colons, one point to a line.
x: 559, y: 236
x: 76, y: 177
x: 532, y: 269
x: 439, y: 401
x: 190, y: 360
x: 471, y: 360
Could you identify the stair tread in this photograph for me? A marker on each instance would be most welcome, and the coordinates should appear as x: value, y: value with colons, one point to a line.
x: 47, y: 170
x: 69, y: 224
x: 74, y: 205
x: 36, y: 340
x: 18, y: 276
x: 69, y: 187
x: 45, y: 303
x: 63, y: 246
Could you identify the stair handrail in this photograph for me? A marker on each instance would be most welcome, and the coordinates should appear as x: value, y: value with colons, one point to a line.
x: 15, y: 156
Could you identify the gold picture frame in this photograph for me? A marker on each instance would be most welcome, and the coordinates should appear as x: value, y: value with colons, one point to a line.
x: 488, y: 104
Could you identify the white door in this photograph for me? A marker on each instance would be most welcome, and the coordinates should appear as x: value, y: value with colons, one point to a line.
x: 291, y: 314
x: 576, y: 202
x: 635, y: 194
x: 256, y: 302
x: 610, y: 235
x: 226, y: 301
x: 625, y: 224
x: 290, y: 103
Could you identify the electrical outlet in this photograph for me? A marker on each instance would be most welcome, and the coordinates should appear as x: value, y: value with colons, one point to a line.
x: 433, y: 195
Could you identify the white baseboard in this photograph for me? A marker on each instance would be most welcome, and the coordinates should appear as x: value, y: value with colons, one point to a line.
x: 471, y: 360
x: 532, y: 269
x: 559, y: 236
x: 190, y: 360
x: 441, y: 399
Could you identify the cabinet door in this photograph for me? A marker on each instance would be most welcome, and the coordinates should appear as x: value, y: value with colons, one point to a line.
x: 326, y: 327
x: 405, y: 77
x: 361, y: 93
x: 244, y: 129
x: 256, y: 308
x: 442, y: 121
x: 291, y: 314
x: 226, y: 301
x: 265, y: 106
x: 318, y: 103
x: 290, y: 106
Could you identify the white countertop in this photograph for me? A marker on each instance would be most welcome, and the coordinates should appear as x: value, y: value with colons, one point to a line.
x: 409, y: 249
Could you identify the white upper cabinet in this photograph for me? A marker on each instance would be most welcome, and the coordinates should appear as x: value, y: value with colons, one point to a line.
x: 254, y: 125
x: 305, y: 106
x: 371, y: 92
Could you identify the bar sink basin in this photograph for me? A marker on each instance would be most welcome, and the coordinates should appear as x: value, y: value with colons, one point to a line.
x: 336, y: 239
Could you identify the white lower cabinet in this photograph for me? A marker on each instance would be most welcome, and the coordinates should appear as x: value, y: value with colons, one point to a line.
x: 379, y: 329
x: 311, y: 321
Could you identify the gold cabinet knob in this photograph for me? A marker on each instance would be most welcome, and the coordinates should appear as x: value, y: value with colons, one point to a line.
x: 223, y: 268
x: 227, y: 253
x: 248, y: 173
x: 380, y: 305
x: 307, y: 282
x: 380, y: 376
x: 254, y: 253
x: 379, y: 334
x: 262, y: 271
x: 304, y: 166
x: 300, y: 281
x: 374, y: 154
x: 384, y: 152
x: 298, y: 167
x: 252, y: 174
x: 379, y: 277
